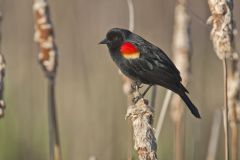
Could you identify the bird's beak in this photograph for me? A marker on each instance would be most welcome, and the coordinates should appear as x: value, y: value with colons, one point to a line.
x: 105, y: 41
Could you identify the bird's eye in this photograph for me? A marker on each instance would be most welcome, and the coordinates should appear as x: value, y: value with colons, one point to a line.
x: 113, y: 37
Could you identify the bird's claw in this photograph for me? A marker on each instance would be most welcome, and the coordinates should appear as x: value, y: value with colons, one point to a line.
x: 136, y: 99
x: 136, y: 84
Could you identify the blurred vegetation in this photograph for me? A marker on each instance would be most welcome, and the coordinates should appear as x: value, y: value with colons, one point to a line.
x: 90, y: 102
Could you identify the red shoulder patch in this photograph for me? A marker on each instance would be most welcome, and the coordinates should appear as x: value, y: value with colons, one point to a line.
x: 128, y: 48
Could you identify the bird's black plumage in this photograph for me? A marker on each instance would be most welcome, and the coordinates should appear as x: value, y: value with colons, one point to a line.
x: 152, y: 66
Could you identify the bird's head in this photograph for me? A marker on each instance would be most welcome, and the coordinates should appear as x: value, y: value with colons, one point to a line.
x: 115, y: 37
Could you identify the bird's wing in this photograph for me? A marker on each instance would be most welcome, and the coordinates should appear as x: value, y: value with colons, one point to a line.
x: 153, y: 59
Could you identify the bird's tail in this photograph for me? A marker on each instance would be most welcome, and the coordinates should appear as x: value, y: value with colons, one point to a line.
x: 189, y: 104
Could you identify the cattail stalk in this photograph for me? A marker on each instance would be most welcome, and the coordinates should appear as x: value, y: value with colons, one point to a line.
x: 215, y: 132
x: 48, y: 54
x: 140, y: 115
x: 234, y: 102
x: 127, y: 88
x: 131, y: 14
x: 2, y: 75
x: 127, y: 83
x: 181, y: 56
x: 222, y: 36
x: 163, y: 112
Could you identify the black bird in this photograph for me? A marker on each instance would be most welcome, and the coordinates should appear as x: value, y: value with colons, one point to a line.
x: 145, y: 63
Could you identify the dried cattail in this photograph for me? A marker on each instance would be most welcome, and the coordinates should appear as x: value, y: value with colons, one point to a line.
x: 221, y: 20
x: 47, y: 57
x: 44, y: 35
x: 181, y: 56
x: 222, y: 36
x: 141, y: 116
x: 181, y: 53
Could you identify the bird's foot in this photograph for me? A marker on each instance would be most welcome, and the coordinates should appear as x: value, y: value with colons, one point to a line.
x: 136, y: 84
x: 136, y: 99
x: 140, y: 86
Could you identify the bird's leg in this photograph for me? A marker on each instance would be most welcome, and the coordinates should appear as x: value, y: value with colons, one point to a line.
x: 144, y: 93
x: 136, y: 85
x: 139, y: 96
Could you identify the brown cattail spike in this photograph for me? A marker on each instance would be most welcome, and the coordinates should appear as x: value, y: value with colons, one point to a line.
x: 45, y: 37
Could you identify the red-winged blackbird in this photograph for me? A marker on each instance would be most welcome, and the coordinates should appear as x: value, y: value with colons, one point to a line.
x: 145, y: 63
